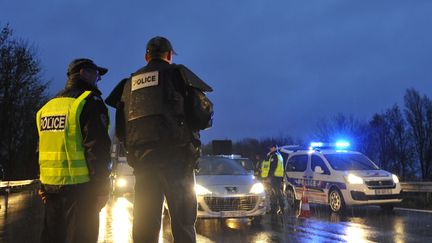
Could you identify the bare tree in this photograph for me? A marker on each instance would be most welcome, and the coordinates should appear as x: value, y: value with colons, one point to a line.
x: 401, y: 144
x: 391, y: 144
x: 343, y: 126
x: 379, y: 141
x: 22, y: 92
x: 418, y: 112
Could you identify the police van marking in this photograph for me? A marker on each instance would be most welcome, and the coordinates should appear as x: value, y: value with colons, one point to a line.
x: 316, y: 184
x: 145, y: 80
x: 53, y: 123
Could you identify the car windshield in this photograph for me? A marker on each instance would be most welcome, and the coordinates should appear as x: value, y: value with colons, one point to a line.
x: 219, y: 166
x: 347, y: 161
x: 245, y: 163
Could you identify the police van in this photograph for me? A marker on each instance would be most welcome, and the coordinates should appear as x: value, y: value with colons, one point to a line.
x: 330, y: 174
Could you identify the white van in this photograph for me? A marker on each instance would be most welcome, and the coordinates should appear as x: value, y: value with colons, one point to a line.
x: 333, y: 176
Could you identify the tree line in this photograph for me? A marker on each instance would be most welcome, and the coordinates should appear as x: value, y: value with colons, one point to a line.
x: 398, y: 140
x: 22, y: 93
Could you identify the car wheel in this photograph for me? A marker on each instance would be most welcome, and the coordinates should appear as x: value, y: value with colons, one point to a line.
x: 291, y: 199
x: 336, y: 201
x: 256, y: 220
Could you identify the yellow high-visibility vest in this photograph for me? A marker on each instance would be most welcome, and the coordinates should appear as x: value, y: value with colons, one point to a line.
x: 279, y: 169
x: 265, y: 166
x: 61, y: 153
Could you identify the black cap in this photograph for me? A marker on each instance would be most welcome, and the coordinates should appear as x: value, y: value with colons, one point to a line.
x: 159, y: 44
x: 79, y: 63
x: 273, y: 145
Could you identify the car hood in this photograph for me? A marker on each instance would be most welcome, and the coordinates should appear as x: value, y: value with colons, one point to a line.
x: 372, y: 173
x: 214, y: 180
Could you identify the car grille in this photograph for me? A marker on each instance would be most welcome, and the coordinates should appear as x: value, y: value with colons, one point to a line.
x: 218, y: 204
x: 382, y: 184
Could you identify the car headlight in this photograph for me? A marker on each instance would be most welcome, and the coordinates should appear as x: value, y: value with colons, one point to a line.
x: 395, y: 178
x: 257, y: 188
x: 353, y: 179
x: 200, y: 190
x: 121, y: 182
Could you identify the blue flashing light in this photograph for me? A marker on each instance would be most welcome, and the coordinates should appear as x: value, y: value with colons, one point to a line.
x: 339, y: 145
x: 342, y: 144
x: 316, y: 144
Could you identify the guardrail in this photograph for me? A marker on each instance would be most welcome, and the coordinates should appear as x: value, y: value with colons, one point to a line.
x: 416, y: 186
x: 16, y: 183
x: 406, y: 186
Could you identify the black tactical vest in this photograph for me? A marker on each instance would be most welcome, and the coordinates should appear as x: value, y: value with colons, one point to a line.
x: 154, y: 109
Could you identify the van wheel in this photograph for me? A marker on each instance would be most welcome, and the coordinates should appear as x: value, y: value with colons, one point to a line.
x: 291, y: 199
x: 336, y: 201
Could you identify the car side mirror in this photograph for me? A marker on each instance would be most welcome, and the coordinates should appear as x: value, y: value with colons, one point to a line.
x: 318, y: 170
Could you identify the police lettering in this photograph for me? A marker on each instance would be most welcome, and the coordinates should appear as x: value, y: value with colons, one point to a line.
x: 145, y: 80
x: 53, y: 123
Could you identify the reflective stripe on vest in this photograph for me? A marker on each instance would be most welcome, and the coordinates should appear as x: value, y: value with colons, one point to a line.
x: 265, y: 168
x: 61, y: 153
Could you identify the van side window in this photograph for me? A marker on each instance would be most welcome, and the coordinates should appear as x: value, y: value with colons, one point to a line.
x: 317, y: 161
x: 297, y: 163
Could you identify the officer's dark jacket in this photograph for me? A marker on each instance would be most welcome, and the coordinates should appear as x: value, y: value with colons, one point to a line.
x: 96, y: 141
x: 116, y: 100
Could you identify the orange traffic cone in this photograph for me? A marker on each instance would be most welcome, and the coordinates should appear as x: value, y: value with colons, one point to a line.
x: 304, y: 206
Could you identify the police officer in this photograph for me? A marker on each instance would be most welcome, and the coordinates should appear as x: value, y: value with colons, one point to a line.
x: 272, y: 172
x: 74, y: 157
x: 160, y: 110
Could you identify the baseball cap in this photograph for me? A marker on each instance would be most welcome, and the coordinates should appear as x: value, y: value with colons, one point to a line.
x: 159, y: 44
x: 79, y: 63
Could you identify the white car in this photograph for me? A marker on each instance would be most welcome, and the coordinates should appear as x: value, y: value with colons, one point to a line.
x: 337, y: 177
x: 226, y: 190
x: 123, y: 178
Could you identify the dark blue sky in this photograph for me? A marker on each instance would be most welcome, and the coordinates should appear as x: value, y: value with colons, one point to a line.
x: 277, y: 67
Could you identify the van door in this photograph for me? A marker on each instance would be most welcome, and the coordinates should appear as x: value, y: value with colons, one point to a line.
x: 320, y: 177
x: 295, y: 171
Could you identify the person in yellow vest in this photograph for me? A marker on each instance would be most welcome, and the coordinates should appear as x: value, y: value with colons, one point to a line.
x: 272, y: 172
x: 74, y: 156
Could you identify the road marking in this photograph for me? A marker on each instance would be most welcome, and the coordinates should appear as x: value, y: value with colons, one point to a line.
x: 414, y: 210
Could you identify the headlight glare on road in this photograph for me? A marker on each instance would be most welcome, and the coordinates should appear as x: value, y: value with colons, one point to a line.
x: 395, y: 178
x: 353, y: 179
x: 121, y: 182
x: 257, y: 188
x: 200, y: 190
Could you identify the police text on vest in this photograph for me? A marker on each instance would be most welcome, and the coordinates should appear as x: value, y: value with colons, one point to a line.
x: 145, y: 80
x: 53, y: 123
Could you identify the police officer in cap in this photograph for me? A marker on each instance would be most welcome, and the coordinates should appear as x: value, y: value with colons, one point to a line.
x: 74, y: 156
x: 272, y: 173
x: 160, y: 110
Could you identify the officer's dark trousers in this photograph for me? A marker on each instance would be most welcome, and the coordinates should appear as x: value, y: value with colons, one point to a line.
x: 178, y: 187
x: 276, y: 195
x: 71, y: 216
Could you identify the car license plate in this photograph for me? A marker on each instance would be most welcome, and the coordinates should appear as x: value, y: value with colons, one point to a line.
x: 383, y: 191
x: 227, y: 214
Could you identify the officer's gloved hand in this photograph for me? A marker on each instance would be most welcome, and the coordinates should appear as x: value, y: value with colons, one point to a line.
x: 42, y: 194
x: 193, y: 155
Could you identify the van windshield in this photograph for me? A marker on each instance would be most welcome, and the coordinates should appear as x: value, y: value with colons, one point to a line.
x: 346, y: 161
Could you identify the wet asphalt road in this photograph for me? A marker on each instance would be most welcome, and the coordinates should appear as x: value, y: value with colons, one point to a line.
x: 22, y: 223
